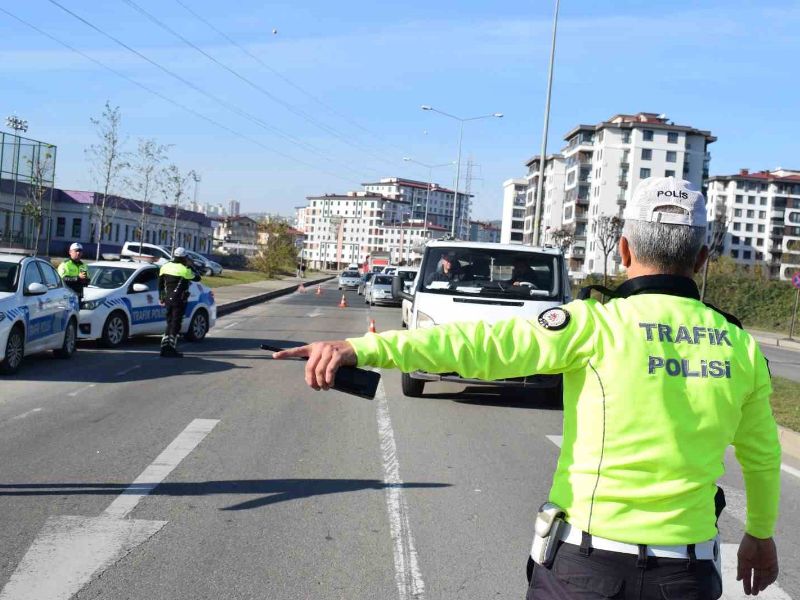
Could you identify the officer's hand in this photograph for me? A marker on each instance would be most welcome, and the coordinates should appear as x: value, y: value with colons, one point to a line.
x: 324, y: 359
x: 758, y: 564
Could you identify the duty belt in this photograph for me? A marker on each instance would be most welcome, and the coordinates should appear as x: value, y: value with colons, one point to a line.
x: 705, y: 551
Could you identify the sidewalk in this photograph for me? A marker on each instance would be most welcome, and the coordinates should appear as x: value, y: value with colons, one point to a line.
x: 236, y: 297
x: 774, y: 339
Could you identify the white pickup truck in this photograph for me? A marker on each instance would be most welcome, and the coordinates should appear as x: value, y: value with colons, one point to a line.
x: 474, y: 281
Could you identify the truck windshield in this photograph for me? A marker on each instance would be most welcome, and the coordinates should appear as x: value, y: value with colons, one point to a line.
x: 488, y: 272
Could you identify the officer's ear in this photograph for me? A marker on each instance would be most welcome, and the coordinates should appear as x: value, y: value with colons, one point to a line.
x: 625, y: 252
x: 702, y: 257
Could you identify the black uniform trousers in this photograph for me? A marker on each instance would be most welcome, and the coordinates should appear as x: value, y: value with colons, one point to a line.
x: 174, y: 318
x: 603, y: 574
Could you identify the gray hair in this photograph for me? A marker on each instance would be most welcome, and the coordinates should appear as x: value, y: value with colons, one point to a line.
x: 670, y: 248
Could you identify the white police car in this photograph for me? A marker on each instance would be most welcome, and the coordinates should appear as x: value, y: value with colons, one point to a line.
x: 37, y: 311
x: 122, y: 300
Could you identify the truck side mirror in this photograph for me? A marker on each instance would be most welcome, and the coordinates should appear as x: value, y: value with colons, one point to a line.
x: 397, y: 290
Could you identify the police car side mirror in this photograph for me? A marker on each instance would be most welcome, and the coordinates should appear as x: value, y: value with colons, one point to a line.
x: 36, y: 289
x: 140, y: 287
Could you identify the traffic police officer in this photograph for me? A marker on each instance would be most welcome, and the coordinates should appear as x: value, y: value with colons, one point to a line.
x: 74, y: 271
x: 173, y: 291
x: 656, y: 386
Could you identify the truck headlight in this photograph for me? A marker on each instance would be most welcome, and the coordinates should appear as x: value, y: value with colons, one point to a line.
x: 90, y: 304
x: 424, y: 321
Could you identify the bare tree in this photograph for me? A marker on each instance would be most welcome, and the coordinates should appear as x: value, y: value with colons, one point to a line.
x: 145, y: 179
x: 719, y: 229
x: 564, y: 236
x: 42, y: 167
x: 175, y: 188
x: 108, y: 161
x: 609, y: 230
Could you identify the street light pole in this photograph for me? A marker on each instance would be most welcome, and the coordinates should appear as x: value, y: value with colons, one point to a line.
x: 17, y: 124
x: 458, y: 162
x: 543, y: 155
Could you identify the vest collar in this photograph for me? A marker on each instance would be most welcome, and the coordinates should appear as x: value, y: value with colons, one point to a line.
x: 671, y: 285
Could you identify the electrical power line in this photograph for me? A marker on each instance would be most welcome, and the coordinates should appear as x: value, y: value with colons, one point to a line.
x: 287, y: 105
x: 170, y: 100
x: 233, y: 108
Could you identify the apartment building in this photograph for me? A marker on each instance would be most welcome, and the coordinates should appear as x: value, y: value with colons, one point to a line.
x: 513, y: 217
x: 346, y: 228
x: 484, y: 231
x: 761, y: 214
x: 435, y: 204
x: 552, y: 216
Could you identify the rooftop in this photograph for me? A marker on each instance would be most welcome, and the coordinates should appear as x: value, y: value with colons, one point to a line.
x: 642, y: 119
x: 777, y: 175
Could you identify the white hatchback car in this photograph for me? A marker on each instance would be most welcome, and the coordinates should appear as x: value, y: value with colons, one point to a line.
x: 37, y: 311
x: 122, y: 300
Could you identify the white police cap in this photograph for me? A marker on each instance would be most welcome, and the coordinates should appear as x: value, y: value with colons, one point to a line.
x: 656, y: 192
x: 179, y: 251
x: 76, y: 246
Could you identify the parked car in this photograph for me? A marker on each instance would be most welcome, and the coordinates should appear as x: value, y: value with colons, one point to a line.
x: 390, y: 270
x: 206, y: 266
x: 363, y: 283
x: 121, y: 300
x: 380, y: 290
x: 37, y: 311
x: 349, y: 279
x: 482, y: 283
x: 158, y: 255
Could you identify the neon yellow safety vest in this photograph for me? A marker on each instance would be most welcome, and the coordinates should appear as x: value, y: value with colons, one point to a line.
x: 656, y: 386
x: 69, y: 268
x: 176, y: 270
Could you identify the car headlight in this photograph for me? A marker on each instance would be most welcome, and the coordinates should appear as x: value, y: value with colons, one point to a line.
x: 424, y: 321
x: 91, y: 304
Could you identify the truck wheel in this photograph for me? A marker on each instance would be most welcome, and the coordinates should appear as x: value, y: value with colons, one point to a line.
x: 15, y: 350
x: 115, y: 330
x: 412, y: 388
x: 70, y: 341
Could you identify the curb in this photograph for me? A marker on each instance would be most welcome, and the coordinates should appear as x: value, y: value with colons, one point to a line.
x: 784, y: 343
x: 233, y: 306
x: 790, y: 442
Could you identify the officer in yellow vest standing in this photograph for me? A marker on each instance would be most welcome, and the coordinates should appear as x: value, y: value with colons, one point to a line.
x: 74, y: 271
x: 174, y: 279
x: 656, y: 386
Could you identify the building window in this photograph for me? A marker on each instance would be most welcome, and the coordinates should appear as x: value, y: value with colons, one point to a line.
x: 737, y: 212
x: 737, y: 226
x: 734, y: 239
x: 762, y: 214
x: 672, y: 137
x: 739, y: 198
x: 669, y: 173
x: 748, y: 227
x: 647, y: 154
x: 761, y: 229
x: 672, y: 156
x: 763, y: 202
x: 748, y: 241
x: 626, y: 137
x: 644, y: 173
x: 647, y: 135
x: 747, y: 254
x: 76, y: 228
x: 751, y: 214
x: 751, y: 199
x: 61, y: 226
x: 735, y: 253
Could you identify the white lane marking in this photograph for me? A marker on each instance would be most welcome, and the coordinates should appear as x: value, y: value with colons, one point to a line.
x: 315, y: 313
x: 162, y: 466
x: 234, y: 324
x: 69, y: 550
x: 732, y: 589
x: 406, y: 566
x: 83, y: 389
x: 25, y: 414
x: 126, y: 371
x: 790, y: 470
x: 736, y: 505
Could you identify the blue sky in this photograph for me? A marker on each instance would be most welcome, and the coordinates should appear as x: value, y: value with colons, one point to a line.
x: 729, y: 67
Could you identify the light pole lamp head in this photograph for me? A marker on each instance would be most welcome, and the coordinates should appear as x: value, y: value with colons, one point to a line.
x: 426, y: 107
x: 498, y: 115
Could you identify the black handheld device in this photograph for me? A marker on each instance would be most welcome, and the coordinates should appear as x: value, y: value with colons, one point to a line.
x: 350, y: 380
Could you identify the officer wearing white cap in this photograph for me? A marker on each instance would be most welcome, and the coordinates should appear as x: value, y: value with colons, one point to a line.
x: 656, y: 386
x: 74, y: 271
x: 173, y: 289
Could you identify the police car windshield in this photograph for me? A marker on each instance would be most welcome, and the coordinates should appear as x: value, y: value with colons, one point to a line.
x: 8, y: 276
x: 489, y: 272
x: 108, y: 278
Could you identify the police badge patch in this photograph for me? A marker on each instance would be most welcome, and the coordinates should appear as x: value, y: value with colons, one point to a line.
x: 554, y: 318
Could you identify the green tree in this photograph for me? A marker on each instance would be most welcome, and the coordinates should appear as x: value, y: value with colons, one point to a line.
x: 278, y: 254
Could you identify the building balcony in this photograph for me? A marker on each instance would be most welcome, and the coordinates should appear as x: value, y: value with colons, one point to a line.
x: 777, y: 214
x: 623, y: 183
x: 577, y: 251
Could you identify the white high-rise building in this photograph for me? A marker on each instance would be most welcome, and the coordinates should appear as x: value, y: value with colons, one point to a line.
x: 761, y: 213
x: 552, y: 216
x: 234, y: 208
x: 513, y: 217
x: 439, y: 202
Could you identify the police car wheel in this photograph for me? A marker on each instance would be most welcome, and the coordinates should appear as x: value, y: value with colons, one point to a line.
x: 198, y: 327
x: 70, y: 341
x: 115, y: 330
x: 412, y: 388
x: 15, y: 350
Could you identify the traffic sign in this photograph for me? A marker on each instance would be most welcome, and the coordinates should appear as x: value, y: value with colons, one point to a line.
x: 796, y: 279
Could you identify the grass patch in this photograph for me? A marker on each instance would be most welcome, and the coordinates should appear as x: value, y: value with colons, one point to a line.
x: 230, y: 277
x: 786, y: 402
